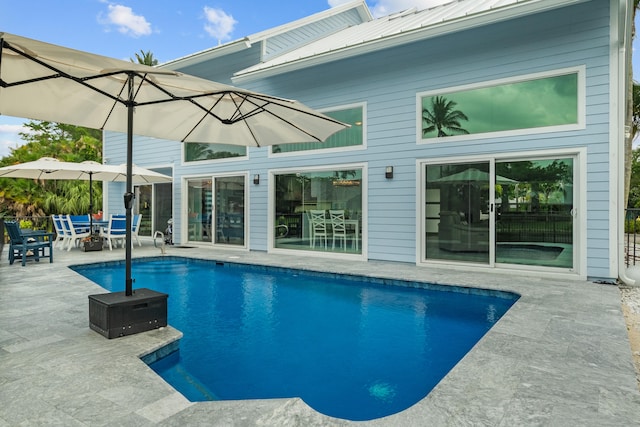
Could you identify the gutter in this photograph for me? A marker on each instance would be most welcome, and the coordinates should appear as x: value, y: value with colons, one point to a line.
x: 621, y: 16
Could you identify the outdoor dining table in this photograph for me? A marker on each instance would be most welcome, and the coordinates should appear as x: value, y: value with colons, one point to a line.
x: 97, y: 224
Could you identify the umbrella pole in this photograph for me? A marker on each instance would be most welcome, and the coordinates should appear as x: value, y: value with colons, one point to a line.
x: 91, y: 202
x: 128, y: 196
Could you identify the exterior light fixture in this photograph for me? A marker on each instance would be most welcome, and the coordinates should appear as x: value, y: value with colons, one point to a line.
x: 388, y: 172
x: 256, y: 179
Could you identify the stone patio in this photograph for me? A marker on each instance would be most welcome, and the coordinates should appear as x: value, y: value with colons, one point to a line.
x: 560, y: 356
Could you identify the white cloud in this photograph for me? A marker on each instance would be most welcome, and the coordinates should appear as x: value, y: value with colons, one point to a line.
x: 126, y: 21
x: 386, y: 7
x: 219, y: 24
x: 9, y: 137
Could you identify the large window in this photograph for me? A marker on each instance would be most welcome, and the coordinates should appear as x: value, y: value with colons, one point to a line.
x: 352, y: 136
x: 319, y: 211
x: 197, y: 151
x: 541, y: 102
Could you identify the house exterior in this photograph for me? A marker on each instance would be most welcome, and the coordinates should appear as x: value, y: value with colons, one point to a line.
x: 484, y: 135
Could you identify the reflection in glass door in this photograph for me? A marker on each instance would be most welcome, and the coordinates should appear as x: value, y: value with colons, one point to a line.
x: 527, y: 220
x: 457, y: 212
x: 229, y: 226
x: 534, y: 206
x: 199, y: 208
x: 155, y: 203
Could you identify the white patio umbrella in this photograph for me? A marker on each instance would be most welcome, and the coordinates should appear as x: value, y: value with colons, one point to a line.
x: 47, y: 82
x: 49, y: 168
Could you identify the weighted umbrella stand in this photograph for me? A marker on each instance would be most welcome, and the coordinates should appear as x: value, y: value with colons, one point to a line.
x: 118, y: 314
x: 94, y: 242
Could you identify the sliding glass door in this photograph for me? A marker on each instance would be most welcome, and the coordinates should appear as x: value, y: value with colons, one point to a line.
x: 229, y: 226
x: 155, y: 203
x: 517, y: 212
x: 457, y: 216
x: 216, y: 210
x: 534, y: 212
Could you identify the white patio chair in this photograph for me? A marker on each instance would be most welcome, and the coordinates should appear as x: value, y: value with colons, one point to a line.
x: 72, y: 234
x: 62, y: 237
x: 115, y: 231
x: 135, y: 228
x: 319, y: 227
x: 339, y: 228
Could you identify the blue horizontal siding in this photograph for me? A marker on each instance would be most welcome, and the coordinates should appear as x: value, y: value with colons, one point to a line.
x: 388, y: 82
x: 300, y: 36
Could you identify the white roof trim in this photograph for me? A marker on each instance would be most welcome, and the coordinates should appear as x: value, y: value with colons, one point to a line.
x: 471, y: 19
x: 245, y: 43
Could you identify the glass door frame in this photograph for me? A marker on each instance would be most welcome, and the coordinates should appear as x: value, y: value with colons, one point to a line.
x: 579, y: 206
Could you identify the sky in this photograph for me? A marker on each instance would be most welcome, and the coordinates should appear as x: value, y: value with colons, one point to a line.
x: 169, y: 29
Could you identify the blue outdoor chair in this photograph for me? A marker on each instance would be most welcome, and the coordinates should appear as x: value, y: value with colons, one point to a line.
x: 28, y: 244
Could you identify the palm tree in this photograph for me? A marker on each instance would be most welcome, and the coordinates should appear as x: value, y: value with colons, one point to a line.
x: 145, y: 58
x: 441, y: 117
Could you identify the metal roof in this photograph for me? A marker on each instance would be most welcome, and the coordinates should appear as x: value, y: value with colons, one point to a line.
x: 399, y: 28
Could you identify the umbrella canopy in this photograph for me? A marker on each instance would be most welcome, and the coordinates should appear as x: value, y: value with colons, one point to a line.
x: 53, y: 169
x: 473, y: 174
x: 48, y: 168
x: 47, y: 82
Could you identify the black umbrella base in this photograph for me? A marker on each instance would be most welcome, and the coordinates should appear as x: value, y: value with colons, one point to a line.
x: 115, y: 315
x: 92, y: 245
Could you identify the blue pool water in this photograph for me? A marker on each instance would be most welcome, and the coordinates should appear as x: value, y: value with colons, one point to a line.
x: 352, y: 348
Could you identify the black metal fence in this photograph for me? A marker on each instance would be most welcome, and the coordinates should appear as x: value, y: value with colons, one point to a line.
x: 631, y: 236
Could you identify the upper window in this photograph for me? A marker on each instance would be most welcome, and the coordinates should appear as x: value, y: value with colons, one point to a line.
x: 352, y: 136
x: 198, y: 151
x: 533, y: 102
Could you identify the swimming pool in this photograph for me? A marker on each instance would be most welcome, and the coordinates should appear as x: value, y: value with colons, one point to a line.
x: 350, y: 347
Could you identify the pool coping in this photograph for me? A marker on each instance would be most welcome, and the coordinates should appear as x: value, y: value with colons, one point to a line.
x: 560, y: 355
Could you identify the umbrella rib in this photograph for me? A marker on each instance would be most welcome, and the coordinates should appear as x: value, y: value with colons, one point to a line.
x: 261, y: 109
x: 59, y: 74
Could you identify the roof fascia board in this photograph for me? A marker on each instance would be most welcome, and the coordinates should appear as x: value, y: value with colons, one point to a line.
x: 359, y: 5
x: 463, y: 23
x: 247, y: 42
x: 207, y: 54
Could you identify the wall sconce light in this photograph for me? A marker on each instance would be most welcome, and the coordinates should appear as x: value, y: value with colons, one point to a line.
x: 256, y: 179
x: 388, y: 172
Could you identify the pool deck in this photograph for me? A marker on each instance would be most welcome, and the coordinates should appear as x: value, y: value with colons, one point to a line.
x: 560, y: 356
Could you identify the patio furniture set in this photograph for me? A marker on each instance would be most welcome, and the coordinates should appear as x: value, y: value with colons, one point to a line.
x: 70, y: 232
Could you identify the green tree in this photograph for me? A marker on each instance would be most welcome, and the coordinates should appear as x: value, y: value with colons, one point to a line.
x: 634, y: 193
x: 443, y: 118
x: 145, y: 58
x: 633, y: 112
x: 25, y: 197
